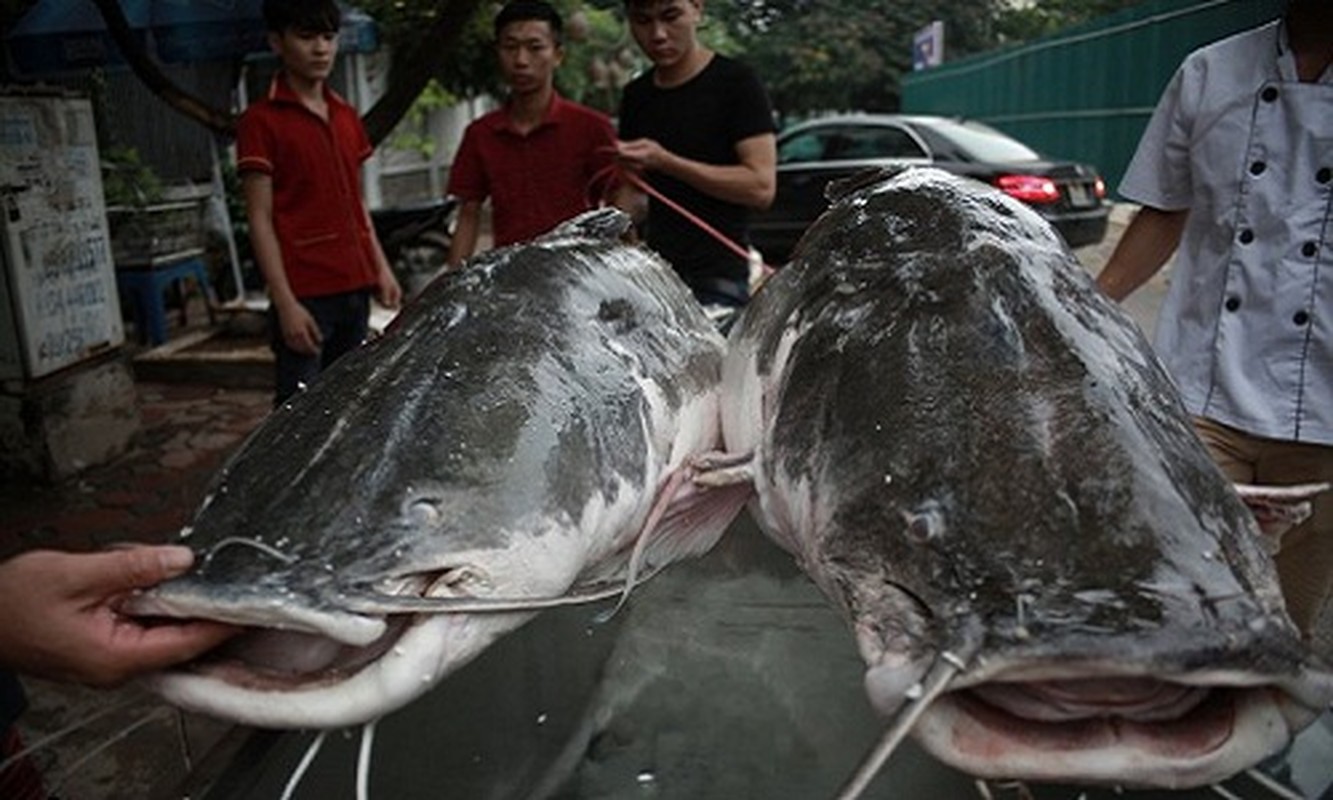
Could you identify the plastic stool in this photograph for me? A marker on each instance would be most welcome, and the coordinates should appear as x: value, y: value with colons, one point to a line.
x: 145, y: 285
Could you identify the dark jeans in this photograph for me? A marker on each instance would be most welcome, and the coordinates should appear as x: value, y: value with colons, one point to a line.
x: 722, y: 300
x: 719, y: 291
x: 343, y: 320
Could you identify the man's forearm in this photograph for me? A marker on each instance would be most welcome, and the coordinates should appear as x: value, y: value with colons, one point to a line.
x: 466, y: 232
x: 1149, y: 240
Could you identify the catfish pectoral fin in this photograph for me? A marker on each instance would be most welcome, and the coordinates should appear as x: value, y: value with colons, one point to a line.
x: 1278, y: 509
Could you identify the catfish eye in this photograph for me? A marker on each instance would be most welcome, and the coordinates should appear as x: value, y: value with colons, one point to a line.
x: 423, y: 511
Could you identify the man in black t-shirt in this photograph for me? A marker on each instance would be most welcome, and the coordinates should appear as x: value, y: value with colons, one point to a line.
x: 699, y: 127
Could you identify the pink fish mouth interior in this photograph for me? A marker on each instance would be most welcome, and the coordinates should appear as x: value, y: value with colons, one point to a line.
x: 1129, y: 731
x: 267, y: 659
x: 1171, y: 720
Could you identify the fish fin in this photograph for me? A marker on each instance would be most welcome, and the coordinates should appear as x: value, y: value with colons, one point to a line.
x: 717, y: 469
x: 696, y: 517
x: 608, y: 223
x: 1278, y: 509
x: 689, y: 515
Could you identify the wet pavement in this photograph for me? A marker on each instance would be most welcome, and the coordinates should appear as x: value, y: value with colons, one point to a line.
x: 148, y: 493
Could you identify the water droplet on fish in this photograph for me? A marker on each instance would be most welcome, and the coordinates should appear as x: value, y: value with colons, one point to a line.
x: 541, y: 719
x: 646, y: 777
x: 888, y: 479
x: 186, y: 531
x: 914, y: 692
x: 427, y: 678
x: 398, y: 651
x: 300, y: 386
x: 1209, y: 555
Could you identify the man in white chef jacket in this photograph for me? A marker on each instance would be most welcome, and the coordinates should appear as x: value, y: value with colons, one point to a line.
x: 1236, y: 169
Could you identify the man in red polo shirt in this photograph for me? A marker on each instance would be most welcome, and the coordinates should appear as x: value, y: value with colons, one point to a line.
x: 537, y: 157
x: 299, y: 152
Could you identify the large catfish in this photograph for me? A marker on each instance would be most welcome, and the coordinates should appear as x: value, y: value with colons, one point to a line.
x: 980, y: 461
x: 523, y: 435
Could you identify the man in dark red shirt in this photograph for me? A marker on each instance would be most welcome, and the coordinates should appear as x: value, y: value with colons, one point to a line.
x: 535, y: 158
x: 299, y: 152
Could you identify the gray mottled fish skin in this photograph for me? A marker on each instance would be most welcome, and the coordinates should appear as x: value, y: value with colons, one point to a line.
x: 505, y: 438
x: 972, y: 452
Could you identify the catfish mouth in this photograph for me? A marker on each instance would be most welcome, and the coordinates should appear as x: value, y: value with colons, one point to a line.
x: 289, y: 647
x: 323, y: 663
x: 274, y: 660
x: 1125, y: 731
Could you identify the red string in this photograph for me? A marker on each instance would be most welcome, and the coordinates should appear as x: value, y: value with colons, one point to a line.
x: 616, y: 172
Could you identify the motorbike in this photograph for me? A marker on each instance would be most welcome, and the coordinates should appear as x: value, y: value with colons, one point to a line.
x: 416, y: 240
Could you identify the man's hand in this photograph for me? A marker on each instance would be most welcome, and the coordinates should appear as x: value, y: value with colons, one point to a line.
x: 58, y: 617
x: 387, y: 291
x: 640, y: 155
x: 299, y: 329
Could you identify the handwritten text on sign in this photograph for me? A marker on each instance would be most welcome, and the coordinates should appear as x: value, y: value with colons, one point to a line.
x: 55, y: 233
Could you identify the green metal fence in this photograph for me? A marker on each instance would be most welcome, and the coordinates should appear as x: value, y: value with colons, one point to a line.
x: 1087, y: 92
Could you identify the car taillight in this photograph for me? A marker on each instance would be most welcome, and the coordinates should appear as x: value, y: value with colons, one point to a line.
x: 1099, y: 188
x: 1029, y: 188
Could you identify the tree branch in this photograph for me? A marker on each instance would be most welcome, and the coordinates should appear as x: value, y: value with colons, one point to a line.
x: 217, y: 120
x: 410, y: 73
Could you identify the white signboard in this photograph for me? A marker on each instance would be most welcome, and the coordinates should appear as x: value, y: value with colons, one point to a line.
x: 59, y: 277
x: 928, y: 46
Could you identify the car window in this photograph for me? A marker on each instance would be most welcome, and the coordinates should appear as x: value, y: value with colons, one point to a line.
x: 848, y: 143
x: 866, y: 142
x: 973, y: 141
x: 801, y: 148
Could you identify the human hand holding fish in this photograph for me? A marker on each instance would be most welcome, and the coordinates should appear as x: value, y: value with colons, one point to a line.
x: 59, y: 618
